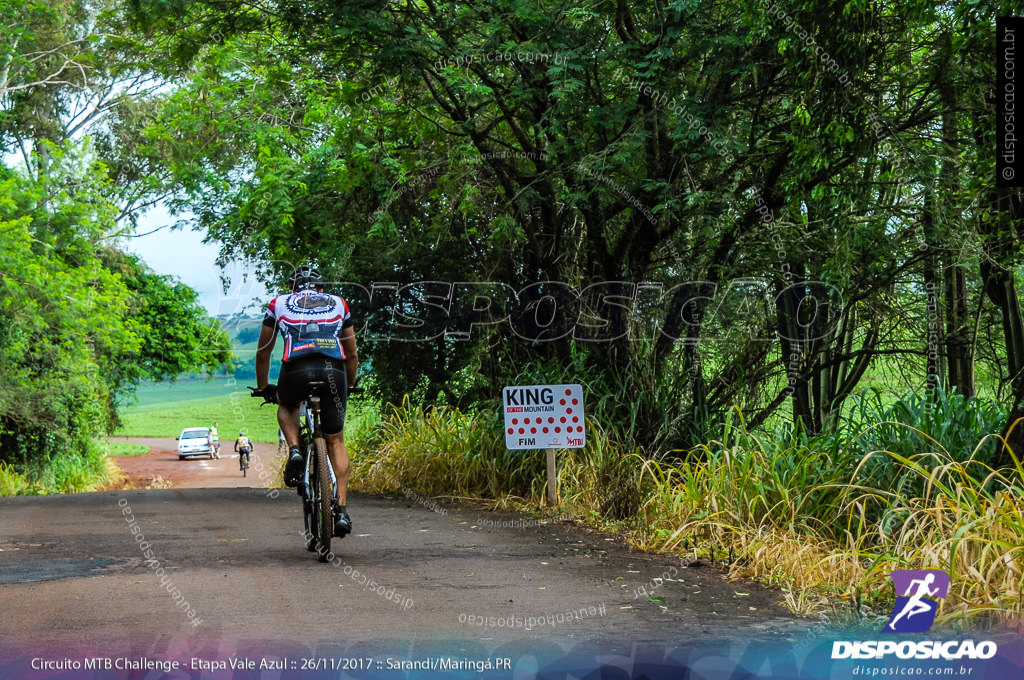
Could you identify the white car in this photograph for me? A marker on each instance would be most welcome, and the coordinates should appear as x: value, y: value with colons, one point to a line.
x: 194, y: 441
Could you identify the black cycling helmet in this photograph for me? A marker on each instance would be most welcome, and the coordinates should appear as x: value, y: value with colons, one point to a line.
x: 305, y: 277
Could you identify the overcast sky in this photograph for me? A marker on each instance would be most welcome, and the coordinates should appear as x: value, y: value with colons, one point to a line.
x: 183, y: 254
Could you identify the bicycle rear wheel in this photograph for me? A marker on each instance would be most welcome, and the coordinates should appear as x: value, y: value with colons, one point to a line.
x: 324, y: 496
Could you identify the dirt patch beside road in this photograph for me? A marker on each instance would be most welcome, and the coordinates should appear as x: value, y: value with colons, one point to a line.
x: 161, y: 469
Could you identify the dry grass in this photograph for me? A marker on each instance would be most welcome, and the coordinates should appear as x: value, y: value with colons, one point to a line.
x: 830, y: 546
x: 441, y: 453
x: 797, y: 517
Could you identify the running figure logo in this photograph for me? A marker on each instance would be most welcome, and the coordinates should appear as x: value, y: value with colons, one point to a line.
x: 914, y: 611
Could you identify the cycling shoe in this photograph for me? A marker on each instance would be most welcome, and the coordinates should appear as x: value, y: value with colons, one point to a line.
x: 294, y: 467
x: 342, y: 523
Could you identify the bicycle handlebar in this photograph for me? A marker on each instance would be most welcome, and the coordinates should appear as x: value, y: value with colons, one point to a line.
x: 269, y: 393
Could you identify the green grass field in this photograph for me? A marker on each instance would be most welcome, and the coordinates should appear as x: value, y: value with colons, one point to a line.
x: 123, y: 449
x: 150, y: 394
x: 234, y: 411
x: 165, y: 409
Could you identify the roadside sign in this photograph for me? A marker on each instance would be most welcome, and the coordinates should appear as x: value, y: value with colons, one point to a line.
x: 544, y: 417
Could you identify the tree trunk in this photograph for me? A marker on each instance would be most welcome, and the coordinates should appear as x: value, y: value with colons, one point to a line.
x: 933, y: 321
x: 959, y: 351
x: 997, y: 275
x: 792, y: 342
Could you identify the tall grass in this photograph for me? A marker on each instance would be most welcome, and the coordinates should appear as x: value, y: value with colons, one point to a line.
x: 12, y: 482
x: 442, y: 452
x: 823, y: 518
x: 800, y: 518
x: 940, y: 422
x: 973, y: 528
x: 64, y: 471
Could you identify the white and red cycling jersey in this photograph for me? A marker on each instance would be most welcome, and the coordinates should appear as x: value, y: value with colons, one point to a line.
x: 310, y: 323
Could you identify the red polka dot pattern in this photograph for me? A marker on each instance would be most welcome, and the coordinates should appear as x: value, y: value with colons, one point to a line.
x: 544, y: 416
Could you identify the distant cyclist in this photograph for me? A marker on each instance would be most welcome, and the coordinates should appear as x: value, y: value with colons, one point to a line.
x: 215, y: 439
x: 319, y: 346
x: 243, y: 445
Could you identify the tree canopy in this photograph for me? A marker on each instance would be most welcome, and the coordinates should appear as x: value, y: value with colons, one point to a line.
x: 82, y: 321
x: 744, y: 159
x: 754, y: 205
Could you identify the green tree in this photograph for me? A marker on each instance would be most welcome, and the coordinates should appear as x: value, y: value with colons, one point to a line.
x: 83, y: 322
x: 527, y: 141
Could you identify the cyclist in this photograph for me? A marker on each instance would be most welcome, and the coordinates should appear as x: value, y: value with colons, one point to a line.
x: 243, y: 445
x: 319, y: 346
x: 215, y: 440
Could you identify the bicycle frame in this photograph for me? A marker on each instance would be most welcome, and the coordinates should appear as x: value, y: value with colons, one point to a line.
x: 319, y: 485
x: 309, y: 414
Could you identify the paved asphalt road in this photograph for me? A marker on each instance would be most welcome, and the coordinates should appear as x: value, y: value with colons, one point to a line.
x: 228, y: 574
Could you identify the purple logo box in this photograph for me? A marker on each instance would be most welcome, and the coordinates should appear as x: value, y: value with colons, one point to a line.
x: 917, y: 595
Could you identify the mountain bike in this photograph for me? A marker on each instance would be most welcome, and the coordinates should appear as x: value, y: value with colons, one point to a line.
x: 319, y: 485
x: 243, y: 460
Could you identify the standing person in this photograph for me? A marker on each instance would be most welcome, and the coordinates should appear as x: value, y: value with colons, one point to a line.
x: 319, y: 346
x: 215, y: 439
x: 243, y: 445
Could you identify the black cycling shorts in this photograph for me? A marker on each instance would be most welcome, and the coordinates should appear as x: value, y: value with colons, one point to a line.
x: 292, y: 388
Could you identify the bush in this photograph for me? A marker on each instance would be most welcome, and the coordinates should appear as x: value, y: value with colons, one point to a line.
x: 13, y: 483
x: 639, y: 402
x: 918, y: 422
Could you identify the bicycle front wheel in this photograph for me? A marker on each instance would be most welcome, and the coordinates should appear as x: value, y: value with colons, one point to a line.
x: 324, y: 500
